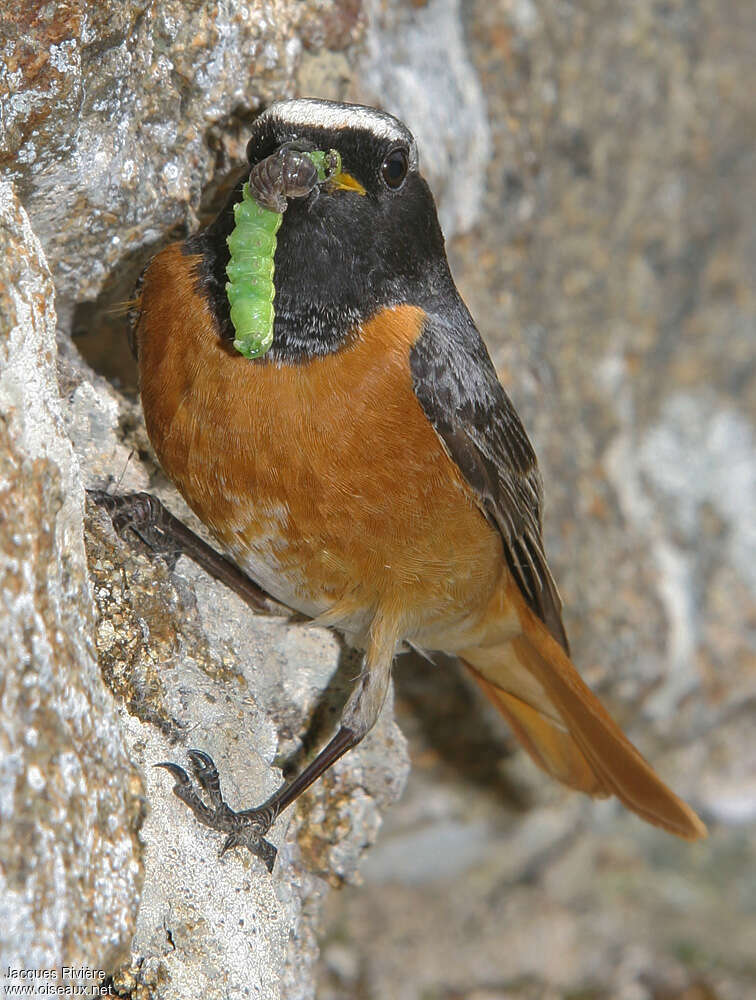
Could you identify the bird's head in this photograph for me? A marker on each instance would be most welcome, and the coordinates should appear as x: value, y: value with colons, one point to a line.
x: 364, y: 239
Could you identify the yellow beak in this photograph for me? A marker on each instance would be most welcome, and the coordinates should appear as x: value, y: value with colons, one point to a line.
x: 345, y: 182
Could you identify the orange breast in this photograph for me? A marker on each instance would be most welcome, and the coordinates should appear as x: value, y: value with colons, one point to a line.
x: 323, y: 480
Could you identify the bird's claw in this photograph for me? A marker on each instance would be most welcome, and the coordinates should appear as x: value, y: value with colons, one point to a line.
x: 138, y: 512
x: 246, y: 828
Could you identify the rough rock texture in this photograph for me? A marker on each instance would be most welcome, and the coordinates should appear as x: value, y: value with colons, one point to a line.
x: 613, y: 278
x: 417, y: 66
x: 70, y: 801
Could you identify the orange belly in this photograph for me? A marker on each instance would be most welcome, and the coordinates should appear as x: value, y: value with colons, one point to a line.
x: 324, y: 480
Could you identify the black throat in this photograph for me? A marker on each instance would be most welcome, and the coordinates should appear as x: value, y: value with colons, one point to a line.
x: 340, y: 259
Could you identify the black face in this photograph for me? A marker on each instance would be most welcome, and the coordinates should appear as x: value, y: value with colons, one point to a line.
x: 343, y: 255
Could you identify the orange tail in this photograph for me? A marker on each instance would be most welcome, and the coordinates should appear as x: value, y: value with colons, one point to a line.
x: 566, y: 729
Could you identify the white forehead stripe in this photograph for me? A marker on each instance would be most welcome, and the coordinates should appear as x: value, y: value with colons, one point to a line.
x: 327, y: 114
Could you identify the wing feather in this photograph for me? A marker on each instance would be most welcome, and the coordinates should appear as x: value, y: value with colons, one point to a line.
x: 456, y: 384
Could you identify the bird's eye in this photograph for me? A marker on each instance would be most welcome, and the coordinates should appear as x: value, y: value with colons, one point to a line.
x: 394, y: 169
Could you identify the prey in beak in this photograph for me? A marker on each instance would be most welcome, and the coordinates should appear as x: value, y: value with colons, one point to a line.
x: 329, y: 167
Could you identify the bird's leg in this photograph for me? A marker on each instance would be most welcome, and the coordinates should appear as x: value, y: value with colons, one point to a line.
x: 146, y: 516
x: 158, y: 528
x: 247, y: 828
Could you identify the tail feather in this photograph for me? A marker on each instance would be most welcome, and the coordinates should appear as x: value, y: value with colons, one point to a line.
x: 568, y: 732
x: 550, y: 746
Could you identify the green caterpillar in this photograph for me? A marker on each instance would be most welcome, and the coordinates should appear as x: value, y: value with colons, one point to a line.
x: 288, y: 173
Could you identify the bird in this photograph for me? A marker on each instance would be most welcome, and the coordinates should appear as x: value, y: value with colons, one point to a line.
x: 369, y: 470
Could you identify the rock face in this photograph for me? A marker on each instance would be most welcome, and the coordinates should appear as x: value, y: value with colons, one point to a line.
x: 71, y: 801
x: 596, y: 165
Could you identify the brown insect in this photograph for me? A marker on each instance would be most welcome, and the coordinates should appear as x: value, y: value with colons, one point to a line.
x: 288, y: 173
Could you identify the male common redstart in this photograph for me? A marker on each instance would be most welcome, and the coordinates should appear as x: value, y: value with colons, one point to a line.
x: 369, y: 470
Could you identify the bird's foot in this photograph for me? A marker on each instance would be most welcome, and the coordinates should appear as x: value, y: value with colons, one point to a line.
x: 146, y: 516
x: 141, y: 513
x: 246, y: 828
